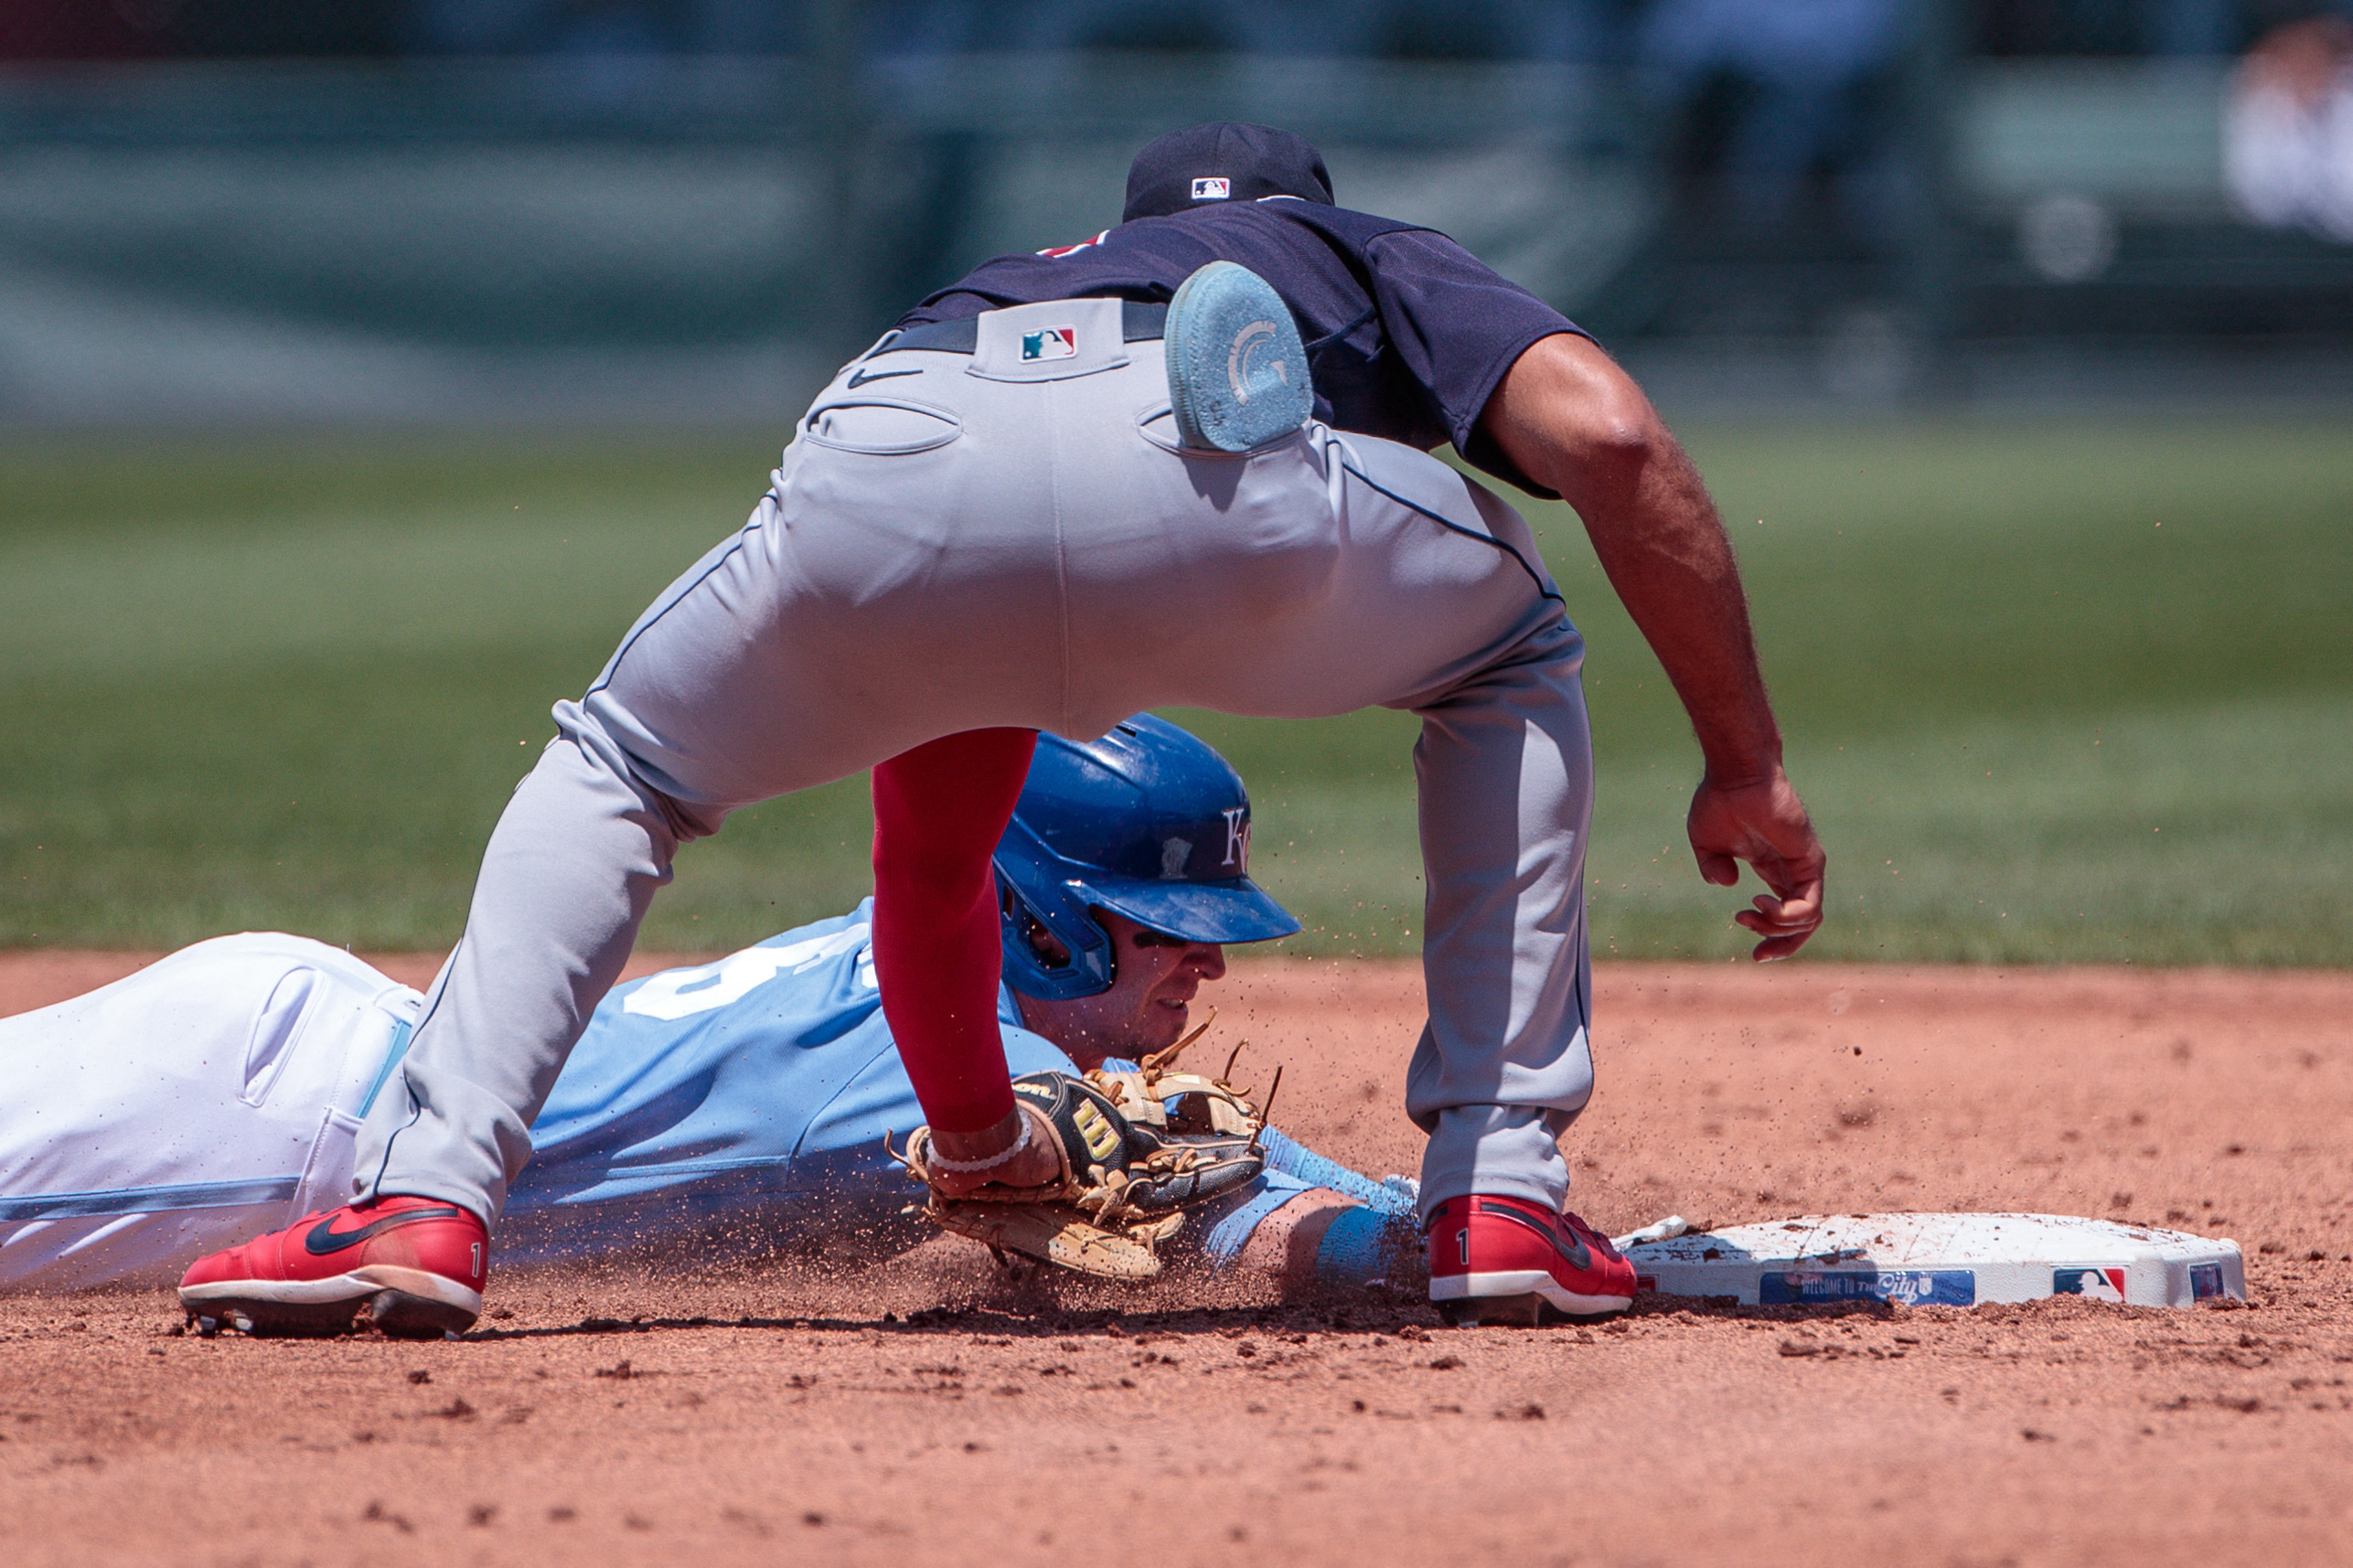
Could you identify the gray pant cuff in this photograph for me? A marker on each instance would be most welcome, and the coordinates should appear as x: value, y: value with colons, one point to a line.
x: 1534, y: 1192
x: 1505, y: 1151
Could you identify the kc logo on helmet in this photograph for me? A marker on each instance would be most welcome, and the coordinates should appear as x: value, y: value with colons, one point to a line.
x: 1211, y: 189
x: 1054, y: 343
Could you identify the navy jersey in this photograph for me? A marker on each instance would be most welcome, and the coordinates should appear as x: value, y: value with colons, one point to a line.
x: 1407, y: 333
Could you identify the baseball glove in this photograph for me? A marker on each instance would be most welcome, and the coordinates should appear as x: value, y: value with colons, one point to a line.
x: 1137, y: 1147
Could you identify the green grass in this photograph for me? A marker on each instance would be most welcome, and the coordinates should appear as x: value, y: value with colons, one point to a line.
x: 2074, y: 693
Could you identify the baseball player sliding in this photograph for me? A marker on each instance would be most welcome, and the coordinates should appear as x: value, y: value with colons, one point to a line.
x: 738, y: 1104
x: 1183, y: 463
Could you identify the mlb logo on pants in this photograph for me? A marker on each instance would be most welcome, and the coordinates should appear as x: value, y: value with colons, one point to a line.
x: 1211, y: 189
x: 1054, y: 343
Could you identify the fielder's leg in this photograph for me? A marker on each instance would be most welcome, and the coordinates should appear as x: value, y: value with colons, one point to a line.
x: 567, y: 878
x: 1505, y: 1064
x: 1505, y: 771
x: 568, y: 872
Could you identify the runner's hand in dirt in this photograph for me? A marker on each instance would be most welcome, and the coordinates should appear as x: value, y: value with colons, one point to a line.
x: 1763, y: 822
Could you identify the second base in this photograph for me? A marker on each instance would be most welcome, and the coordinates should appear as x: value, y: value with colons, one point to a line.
x: 1945, y: 1260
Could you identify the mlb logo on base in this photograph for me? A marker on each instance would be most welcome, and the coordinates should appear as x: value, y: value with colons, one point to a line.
x: 1211, y: 189
x: 1054, y: 343
x: 2098, y: 1283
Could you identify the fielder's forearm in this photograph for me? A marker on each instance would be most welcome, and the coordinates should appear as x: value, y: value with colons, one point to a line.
x: 1658, y: 538
x: 1573, y: 420
x: 940, y: 811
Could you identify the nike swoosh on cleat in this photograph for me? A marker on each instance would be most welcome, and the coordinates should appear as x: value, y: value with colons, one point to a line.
x: 1578, y: 1254
x: 860, y: 378
x: 324, y: 1238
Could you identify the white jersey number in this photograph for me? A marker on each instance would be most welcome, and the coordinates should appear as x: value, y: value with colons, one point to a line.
x: 681, y: 993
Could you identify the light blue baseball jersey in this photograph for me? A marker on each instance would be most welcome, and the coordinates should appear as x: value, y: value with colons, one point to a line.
x: 747, y: 1102
x: 754, y: 1090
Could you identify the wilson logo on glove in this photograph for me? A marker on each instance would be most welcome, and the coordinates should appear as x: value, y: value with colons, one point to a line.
x: 1101, y: 1136
x: 1136, y: 1147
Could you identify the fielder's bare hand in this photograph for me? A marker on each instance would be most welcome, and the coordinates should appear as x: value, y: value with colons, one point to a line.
x: 1762, y: 822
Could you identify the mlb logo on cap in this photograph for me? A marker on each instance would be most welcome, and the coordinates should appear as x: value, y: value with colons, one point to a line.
x: 1211, y: 189
x: 1054, y: 343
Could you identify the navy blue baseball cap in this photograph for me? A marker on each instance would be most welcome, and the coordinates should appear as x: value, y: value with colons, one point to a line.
x: 1225, y: 160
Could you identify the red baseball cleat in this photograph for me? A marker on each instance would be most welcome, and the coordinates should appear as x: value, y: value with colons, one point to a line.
x: 1506, y: 1260
x: 416, y: 1263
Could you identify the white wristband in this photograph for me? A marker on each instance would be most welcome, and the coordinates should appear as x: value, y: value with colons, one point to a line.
x: 939, y: 1161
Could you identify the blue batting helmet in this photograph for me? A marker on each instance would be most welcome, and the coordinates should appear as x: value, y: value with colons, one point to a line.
x: 1149, y: 822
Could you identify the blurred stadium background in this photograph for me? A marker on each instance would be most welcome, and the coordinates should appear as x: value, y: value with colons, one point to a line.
x: 365, y: 366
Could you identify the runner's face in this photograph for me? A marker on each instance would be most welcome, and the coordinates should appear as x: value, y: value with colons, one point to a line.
x: 1145, y: 1008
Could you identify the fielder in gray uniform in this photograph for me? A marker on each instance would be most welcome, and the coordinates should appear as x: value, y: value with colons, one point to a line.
x: 1013, y: 515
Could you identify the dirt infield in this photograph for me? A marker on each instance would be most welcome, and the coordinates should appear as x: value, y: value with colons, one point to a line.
x: 929, y: 1412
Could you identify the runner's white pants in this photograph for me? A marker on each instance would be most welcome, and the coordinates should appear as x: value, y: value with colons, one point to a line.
x: 184, y: 1108
x: 956, y: 541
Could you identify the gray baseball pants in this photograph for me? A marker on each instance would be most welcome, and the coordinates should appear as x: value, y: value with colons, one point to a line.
x: 961, y: 541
